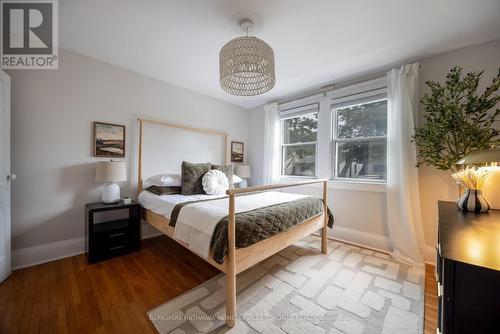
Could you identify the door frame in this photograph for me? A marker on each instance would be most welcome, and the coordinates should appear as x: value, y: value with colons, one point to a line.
x: 5, y: 170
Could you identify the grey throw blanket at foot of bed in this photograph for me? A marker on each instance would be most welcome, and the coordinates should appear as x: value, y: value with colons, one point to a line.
x: 259, y: 224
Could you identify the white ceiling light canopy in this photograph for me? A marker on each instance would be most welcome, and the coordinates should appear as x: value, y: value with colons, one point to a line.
x: 246, y: 64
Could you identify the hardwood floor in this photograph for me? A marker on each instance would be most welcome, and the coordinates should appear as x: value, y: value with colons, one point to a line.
x: 69, y: 296
x: 430, y: 310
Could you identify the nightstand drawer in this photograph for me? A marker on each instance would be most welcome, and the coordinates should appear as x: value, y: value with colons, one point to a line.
x: 113, y: 243
x: 117, y: 248
x: 112, y: 238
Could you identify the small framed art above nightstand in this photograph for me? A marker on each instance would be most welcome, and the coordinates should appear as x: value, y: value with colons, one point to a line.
x: 111, y: 230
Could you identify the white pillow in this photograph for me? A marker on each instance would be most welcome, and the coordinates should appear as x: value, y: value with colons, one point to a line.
x: 237, y: 179
x: 165, y: 180
x: 215, y: 182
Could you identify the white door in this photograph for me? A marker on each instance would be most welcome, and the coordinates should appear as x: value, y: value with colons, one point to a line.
x: 5, y: 176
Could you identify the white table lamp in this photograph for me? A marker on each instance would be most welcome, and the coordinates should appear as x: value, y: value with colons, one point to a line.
x: 110, y: 172
x: 243, y: 171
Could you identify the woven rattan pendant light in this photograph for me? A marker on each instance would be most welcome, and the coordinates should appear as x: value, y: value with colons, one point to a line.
x: 246, y: 64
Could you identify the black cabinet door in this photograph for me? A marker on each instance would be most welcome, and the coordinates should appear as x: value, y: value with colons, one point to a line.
x: 476, y: 300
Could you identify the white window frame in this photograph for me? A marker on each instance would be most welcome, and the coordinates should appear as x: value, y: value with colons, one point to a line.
x: 292, y: 113
x: 334, y: 140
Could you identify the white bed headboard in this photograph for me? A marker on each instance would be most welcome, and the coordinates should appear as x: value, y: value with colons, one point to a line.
x: 163, y: 146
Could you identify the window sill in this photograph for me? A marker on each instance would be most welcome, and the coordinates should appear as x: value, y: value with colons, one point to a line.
x: 296, y: 178
x: 377, y: 187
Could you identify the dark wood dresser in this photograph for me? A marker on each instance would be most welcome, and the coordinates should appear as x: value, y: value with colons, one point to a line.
x: 468, y: 271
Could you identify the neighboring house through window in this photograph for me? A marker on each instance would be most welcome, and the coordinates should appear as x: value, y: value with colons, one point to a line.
x: 299, y: 129
x: 359, y: 138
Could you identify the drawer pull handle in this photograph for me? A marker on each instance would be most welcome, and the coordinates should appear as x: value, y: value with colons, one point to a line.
x: 115, y: 248
x: 116, y: 235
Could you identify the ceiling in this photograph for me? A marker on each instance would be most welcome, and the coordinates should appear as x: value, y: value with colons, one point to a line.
x: 315, y: 41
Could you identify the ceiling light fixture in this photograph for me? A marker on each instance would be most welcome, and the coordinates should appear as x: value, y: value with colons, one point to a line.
x: 246, y: 64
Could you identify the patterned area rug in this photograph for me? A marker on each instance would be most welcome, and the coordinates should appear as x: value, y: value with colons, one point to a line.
x: 300, y: 290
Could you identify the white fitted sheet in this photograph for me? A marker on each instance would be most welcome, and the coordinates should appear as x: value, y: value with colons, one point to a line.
x: 164, y: 204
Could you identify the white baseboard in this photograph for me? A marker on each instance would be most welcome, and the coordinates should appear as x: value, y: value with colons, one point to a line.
x: 363, y: 239
x: 373, y: 241
x: 31, y: 256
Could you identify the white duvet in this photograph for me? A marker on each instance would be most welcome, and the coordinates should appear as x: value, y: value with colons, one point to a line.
x: 196, y: 222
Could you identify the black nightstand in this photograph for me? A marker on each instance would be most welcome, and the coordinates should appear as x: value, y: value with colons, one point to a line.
x: 111, y: 230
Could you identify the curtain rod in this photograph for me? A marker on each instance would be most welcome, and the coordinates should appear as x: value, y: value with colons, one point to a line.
x: 329, y: 88
x: 322, y: 91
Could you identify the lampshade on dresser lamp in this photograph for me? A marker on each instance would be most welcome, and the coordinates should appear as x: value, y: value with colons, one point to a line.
x: 110, y: 172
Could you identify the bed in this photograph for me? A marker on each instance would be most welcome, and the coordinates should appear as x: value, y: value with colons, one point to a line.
x: 207, y: 225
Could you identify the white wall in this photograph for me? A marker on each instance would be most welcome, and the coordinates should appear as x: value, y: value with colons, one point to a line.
x: 52, y: 115
x: 436, y: 184
x: 360, y: 214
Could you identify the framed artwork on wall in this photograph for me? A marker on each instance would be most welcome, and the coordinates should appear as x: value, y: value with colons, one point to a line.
x: 109, y: 140
x: 237, y: 150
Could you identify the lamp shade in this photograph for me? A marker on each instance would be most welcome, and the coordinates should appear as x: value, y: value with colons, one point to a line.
x: 246, y: 64
x: 481, y: 156
x: 243, y: 171
x: 110, y: 171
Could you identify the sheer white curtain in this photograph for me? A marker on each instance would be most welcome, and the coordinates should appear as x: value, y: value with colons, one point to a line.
x: 403, y: 201
x: 271, y: 144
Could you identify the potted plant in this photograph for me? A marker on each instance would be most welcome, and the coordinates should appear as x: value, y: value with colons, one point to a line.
x: 458, y: 120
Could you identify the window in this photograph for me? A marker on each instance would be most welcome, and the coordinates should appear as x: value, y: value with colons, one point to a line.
x: 299, y: 128
x: 359, y: 140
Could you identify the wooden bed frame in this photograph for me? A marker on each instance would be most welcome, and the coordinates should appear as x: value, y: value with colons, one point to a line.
x: 240, y: 259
